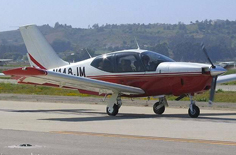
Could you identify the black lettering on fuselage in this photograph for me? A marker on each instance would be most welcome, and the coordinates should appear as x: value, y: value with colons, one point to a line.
x: 80, y: 71
x: 70, y: 71
x: 77, y: 71
x: 64, y: 71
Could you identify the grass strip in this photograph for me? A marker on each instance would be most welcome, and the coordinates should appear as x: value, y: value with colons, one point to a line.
x: 220, y: 96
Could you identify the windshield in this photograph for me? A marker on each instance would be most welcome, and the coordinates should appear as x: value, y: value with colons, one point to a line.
x: 151, y: 60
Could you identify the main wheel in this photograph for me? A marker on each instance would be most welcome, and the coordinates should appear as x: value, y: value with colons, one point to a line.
x: 158, y: 110
x: 195, y: 113
x: 113, y: 111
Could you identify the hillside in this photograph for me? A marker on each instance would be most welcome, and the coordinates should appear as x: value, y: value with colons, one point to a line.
x: 179, y: 41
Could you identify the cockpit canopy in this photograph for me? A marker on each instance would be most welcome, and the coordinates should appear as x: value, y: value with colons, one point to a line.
x: 129, y: 61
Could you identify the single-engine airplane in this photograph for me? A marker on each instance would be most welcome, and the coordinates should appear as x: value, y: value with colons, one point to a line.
x: 127, y: 73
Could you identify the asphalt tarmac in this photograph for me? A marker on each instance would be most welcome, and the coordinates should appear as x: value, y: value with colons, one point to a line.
x: 68, y: 128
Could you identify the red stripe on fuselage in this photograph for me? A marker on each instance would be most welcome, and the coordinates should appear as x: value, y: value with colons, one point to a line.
x: 36, y: 62
x: 150, y: 74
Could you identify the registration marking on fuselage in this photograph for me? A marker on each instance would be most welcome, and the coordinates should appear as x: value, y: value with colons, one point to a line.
x: 184, y: 140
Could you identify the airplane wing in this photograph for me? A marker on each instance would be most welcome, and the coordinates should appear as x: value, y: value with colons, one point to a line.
x: 226, y: 78
x: 29, y: 75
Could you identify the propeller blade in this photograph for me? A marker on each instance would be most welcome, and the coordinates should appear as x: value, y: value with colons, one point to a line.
x: 213, y: 88
x: 208, y: 58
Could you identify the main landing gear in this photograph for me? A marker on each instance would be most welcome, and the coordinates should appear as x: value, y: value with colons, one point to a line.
x: 159, y: 107
x: 193, y: 110
x: 114, y: 104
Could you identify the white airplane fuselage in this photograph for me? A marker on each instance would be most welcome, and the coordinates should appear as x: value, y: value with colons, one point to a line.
x: 168, y: 78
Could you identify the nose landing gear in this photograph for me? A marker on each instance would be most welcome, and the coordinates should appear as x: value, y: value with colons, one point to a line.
x: 193, y: 110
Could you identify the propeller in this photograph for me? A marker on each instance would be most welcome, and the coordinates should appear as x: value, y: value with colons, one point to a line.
x: 214, y: 79
x: 208, y: 58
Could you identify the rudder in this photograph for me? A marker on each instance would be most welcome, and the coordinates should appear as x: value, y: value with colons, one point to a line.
x: 40, y: 52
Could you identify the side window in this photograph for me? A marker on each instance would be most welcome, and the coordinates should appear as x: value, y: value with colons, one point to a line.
x: 128, y: 63
x: 103, y: 63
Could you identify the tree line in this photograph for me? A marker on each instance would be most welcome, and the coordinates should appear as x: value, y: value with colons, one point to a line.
x: 179, y: 41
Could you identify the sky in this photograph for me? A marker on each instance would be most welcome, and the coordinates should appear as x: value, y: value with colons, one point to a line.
x: 82, y: 13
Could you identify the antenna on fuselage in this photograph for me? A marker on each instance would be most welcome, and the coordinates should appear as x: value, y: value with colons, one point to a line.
x: 88, y: 53
x: 137, y: 43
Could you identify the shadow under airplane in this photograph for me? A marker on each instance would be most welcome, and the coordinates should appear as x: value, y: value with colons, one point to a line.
x: 101, y: 116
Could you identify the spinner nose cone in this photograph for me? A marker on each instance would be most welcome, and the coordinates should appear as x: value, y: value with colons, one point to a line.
x: 217, y: 70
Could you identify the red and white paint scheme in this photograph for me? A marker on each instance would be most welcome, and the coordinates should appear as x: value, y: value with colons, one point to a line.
x: 129, y: 73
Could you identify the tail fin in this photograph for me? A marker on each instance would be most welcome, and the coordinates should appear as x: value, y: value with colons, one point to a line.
x: 40, y: 53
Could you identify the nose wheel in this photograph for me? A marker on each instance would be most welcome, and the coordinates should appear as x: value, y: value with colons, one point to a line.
x: 194, y: 113
x: 193, y: 110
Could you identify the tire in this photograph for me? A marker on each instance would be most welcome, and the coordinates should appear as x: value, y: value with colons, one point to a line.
x: 195, y: 113
x: 158, y: 111
x: 113, y: 111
